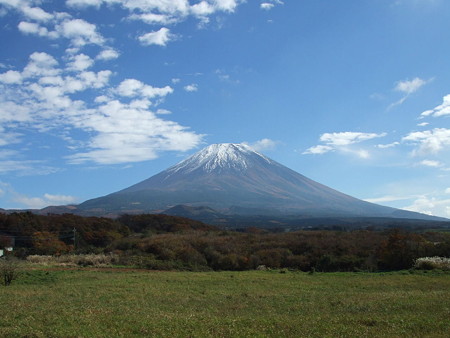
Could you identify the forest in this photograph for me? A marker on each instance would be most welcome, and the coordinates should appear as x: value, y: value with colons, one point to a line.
x: 162, y: 242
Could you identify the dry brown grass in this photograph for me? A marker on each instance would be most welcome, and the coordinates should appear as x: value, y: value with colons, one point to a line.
x: 95, y: 260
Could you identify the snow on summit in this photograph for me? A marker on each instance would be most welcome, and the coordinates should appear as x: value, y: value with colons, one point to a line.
x: 220, y: 156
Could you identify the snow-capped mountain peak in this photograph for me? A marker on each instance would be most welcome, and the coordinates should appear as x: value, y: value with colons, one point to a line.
x: 220, y: 157
x: 229, y: 176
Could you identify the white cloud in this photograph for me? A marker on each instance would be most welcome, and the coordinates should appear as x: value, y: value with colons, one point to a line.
x: 11, y: 111
x: 430, y: 205
x: 60, y: 199
x: 34, y: 28
x: 361, y: 153
x: 161, y: 37
x: 95, y: 80
x: 7, y: 138
x: 318, y: 150
x: 14, y: 3
x: 80, y: 32
x: 435, y: 203
x: 389, y: 145
x: 410, y: 86
x: 108, y: 54
x: 42, y: 202
x: 191, y: 88
x: 129, y: 134
x: 431, y: 163
x: 174, y: 7
x: 36, y: 13
x: 423, y: 124
x: 441, y: 110
x: 202, y: 8
x: 163, y: 112
x: 341, y: 141
x: 164, y: 12
x: 133, y: 88
x: 41, y: 64
x: 426, y: 113
x: 267, y: 6
x: 118, y: 132
x: 84, y: 3
x: 429, y: 141
x: 30, y: 202
x: 225, y: 5
x: 80, y: 62
x: 154, y: 18
x: 346, y: 138
x: 22, y: 167
x: 225, y: 77
x: 11, y: 77
x: 387, y: 198
x: 263, y: 144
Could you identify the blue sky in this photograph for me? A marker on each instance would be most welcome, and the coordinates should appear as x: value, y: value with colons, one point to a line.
x: 96, y: 95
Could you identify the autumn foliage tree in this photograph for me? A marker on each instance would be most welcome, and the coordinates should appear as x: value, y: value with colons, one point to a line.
x: 47, y: 243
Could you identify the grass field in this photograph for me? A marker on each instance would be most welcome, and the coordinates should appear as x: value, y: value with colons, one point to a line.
x: 111, y: 303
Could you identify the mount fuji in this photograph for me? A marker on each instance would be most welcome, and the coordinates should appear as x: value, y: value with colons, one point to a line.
x: 234, y: 179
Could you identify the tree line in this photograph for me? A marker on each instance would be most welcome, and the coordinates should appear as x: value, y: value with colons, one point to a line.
x: 170, y: 242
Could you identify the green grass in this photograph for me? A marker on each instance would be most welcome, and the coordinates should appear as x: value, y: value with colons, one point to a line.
x: 85, y: 303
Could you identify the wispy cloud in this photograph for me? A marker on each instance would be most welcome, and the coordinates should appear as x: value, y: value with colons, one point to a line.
x: 341, y: 141
x: 348, y: 137
x: 389, y: 145
x: 225, y: 76
x: 423, y: 124
x: 42, y: 202
x: 318, y: 150
x: 436, y: 202
x: 431, y: 163
x: 193, y: 87
x: 408, y: 87
x: 46, y: 200
x: 13, y: 161
x: 268, y: 5
x: 263, y: 144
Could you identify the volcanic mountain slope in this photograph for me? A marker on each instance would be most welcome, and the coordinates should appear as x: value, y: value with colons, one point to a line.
x: 234, y: 178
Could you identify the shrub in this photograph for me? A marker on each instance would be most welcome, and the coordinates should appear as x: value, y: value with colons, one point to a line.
x: 430, y: 263
x: 9, y: 269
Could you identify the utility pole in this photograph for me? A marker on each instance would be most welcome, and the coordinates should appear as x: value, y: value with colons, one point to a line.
x: 74, y: 238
